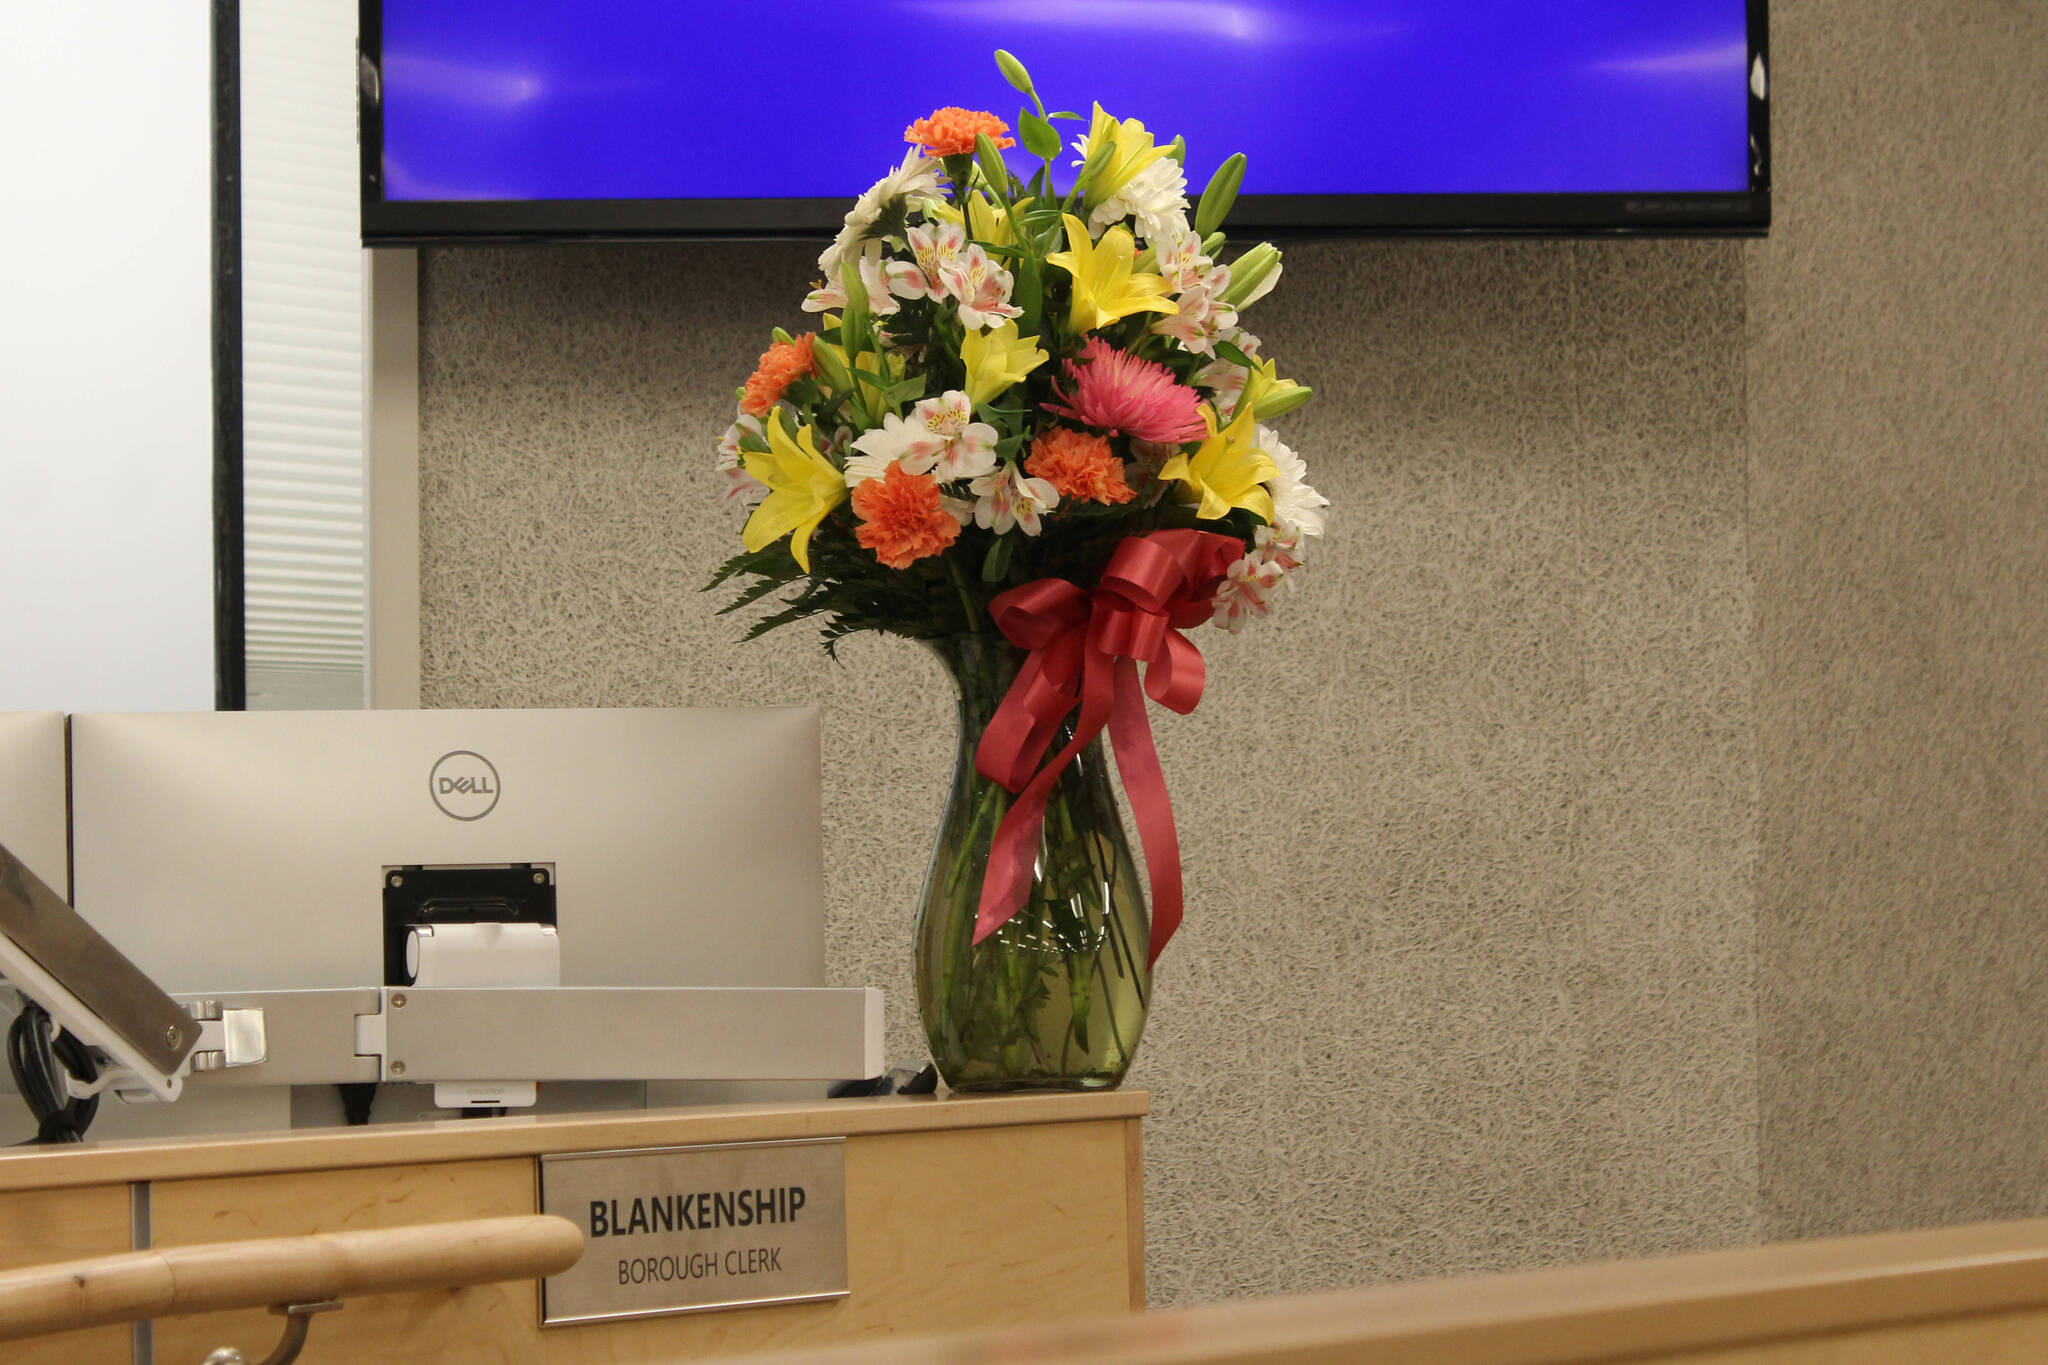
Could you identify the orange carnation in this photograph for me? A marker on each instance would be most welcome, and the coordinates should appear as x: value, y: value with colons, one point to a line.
x: 1079, y: 464
x: 780, y: 366
x: 950, y: 131
x: 902, y: 519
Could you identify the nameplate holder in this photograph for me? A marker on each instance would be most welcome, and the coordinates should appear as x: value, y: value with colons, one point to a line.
x: 693, y: 1229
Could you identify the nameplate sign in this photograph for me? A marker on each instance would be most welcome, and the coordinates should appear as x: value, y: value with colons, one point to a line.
x: 687, y: 1229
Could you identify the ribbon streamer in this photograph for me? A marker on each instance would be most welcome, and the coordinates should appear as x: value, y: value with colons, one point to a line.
x: 1084, y: 649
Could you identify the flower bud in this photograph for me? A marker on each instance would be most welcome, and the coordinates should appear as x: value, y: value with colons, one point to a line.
x: 993, y: 168
x: 1221, y: 194
x: 1013, y: 72
x: 1252, y: 276
x: 1284, y: 396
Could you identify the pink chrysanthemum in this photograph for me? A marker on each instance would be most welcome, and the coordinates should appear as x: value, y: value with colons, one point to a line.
x: 1120, y: 393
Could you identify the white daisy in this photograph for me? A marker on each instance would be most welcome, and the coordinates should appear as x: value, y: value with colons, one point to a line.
x: 918, y: 175
x: 1155, y: 196
x: 1296, y: 506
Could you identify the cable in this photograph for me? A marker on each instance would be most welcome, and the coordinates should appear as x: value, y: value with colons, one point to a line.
x: 39, y: 1054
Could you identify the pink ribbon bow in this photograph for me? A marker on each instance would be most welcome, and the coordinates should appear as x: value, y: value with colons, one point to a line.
x: 1085, y: 648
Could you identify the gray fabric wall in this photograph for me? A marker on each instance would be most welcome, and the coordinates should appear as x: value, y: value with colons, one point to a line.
x: 1899, y: 440
x: 1471, y: 976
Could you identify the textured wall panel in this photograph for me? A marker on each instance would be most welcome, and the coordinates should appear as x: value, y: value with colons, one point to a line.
x: 1899, y: 439
x: 1467, y: 980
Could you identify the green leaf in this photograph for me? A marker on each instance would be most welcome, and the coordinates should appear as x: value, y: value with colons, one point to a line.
x: 997, y: 562
x: 1011, y: 444
x: 1178, y: 149
x: 908, y: 391
x: 772, y: 559
x: 1232, y: 354
x: 754, y: 593
x: 1065, y: 114
x: 1037, y: 135
x: 1027, y: 291
x: 788, y: 615
x: 1221, y: 194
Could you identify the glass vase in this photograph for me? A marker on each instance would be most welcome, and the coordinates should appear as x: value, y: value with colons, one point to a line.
x: 1055, y: 998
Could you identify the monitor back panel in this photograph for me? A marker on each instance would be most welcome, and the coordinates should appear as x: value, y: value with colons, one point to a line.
x: 247, y: 850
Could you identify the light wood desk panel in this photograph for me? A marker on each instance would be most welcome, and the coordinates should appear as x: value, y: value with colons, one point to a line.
x: 39, y: 1227
x: 960, y: 1213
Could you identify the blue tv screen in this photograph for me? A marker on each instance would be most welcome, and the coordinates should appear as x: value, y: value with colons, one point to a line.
x: 629, y: 117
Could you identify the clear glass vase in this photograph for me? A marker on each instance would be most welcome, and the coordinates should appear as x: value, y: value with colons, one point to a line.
x: 1055, y: 999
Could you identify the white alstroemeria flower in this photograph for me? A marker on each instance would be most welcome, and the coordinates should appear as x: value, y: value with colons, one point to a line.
x: 1177, y: 256
x: 743, y: 487
x: 1155, y: 196
x: 1244, y: 592
x: 938, y: 248
x: 1006, y: 498
x: 908, y: 440
x: 731, y: 461
x: 965, y: 449
x: 828, y: 297
x: 1202, y: 318
x: 729, y: 444
x: 1280, y: 547
x: 982, y: 287
x: 1224, y: 379
x: 918, y: 175
x: 1296, y: 506
x: 879, y: 277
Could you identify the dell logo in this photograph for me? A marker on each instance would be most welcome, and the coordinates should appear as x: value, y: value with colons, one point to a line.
x: 464, y: 785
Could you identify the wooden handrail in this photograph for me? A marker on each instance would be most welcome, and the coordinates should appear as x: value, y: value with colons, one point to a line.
x: 1788, y: 1295
x: 257, y: 1274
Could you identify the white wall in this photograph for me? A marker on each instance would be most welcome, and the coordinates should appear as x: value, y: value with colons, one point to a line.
x: 105, y: 382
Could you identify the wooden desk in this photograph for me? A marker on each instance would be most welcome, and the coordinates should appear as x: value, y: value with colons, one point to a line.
x: 961, y: 1213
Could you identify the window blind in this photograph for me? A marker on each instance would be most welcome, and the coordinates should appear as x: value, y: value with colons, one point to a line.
x: 302, y: 356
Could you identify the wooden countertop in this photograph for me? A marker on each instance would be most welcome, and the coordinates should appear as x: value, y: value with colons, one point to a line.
x: 91, y: 1163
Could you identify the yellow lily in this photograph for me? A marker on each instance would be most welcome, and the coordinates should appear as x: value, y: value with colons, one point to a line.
x: 996, y: 359
x: 1228, y: 470
x: 1105, y: 285
x: 802, y: 487
x: 988, y: 223
x: 1134, y: 152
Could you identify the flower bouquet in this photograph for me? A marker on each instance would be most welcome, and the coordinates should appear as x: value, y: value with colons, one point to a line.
x: 1030, y: 430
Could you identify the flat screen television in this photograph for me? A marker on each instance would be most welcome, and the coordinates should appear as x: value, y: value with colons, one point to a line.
x: 539, y: 119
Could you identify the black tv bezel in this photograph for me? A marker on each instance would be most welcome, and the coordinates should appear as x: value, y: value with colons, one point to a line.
x: 451, y: 222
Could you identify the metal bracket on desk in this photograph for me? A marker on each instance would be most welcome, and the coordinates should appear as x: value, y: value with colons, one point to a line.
x: 297, y: 1319
x: 567, y: 1033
